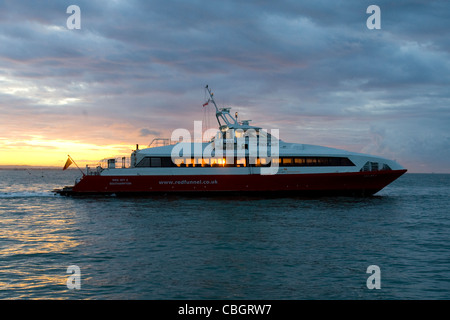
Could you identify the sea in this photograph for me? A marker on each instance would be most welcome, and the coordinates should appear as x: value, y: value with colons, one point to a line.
x: 394, y: 245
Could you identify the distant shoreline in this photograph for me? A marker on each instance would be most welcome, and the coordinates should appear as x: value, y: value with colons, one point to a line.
x: 25, y: 167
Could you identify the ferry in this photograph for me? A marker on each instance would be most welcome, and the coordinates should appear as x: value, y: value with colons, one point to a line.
x: 239, y: 159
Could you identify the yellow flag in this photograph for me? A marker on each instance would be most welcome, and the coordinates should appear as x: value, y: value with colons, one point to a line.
x: 68, y: 163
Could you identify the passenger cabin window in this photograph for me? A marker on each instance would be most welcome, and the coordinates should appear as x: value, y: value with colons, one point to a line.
x: 166, y: 162
x: 144, y: 162
x: 155, y: 162
x: 315, y: 162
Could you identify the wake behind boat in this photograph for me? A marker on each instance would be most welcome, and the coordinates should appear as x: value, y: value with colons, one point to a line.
x: 240, y: 159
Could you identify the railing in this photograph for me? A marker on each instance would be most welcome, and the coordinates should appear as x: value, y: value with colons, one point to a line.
x: 109, y: 163
x: 115, y: 163
x: 93, y: 171
x: 123, y: 162
x: 161, y: 142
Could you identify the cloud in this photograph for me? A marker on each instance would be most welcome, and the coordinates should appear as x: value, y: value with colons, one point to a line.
x: 146, y: 132
x: 304, y: 66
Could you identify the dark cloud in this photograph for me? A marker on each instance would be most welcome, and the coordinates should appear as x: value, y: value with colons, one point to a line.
x: 299, y: 65
x: 147, y: 132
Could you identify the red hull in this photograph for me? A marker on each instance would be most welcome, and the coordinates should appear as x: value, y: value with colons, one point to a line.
x: 355, y: 183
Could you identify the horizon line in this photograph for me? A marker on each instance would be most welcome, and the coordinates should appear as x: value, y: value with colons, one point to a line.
x: 50, y: 167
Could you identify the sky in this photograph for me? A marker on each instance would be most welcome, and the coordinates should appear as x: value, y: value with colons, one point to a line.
x: 136, y: 70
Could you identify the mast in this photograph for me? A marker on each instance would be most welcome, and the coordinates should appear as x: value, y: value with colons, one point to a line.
x: 211, y: 98
x: 222, y: 114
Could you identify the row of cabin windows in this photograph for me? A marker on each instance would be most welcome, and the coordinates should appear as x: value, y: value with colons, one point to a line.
x: 243, y: 162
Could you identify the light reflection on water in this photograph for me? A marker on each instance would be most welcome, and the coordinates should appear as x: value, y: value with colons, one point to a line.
x: 222, y: 248
x: 34, y: 240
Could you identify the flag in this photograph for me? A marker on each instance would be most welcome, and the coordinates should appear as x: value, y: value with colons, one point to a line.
x: 205, y: 104
x: 68, y: 163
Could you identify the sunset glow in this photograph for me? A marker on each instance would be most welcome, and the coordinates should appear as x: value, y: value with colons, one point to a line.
x: 134, y: 71
x: 39, y: 151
